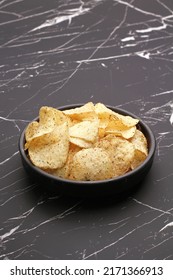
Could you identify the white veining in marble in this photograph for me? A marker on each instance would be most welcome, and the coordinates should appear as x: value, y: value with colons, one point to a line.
x: 59, y: 52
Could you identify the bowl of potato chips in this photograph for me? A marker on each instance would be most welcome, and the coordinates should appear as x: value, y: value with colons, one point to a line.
x: 87, y: 149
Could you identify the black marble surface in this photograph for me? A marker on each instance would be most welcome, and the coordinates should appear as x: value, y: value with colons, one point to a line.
x: 119, y: 52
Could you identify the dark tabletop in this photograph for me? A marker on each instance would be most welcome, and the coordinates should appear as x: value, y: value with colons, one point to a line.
x: 54, y: 53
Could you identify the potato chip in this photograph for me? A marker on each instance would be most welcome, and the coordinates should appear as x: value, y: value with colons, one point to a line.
x: 86, y: 130
x: 80, y: 142
x: 140, y: 142
x: 139, y: 157
x: 127, y: 120
x: 50, y: 114
x: 31, y: 130
x: 116, y: 124
x: 84, y: 112
x: 103, y: 122
x: 121, y: 152
x: 50, y: 151
x: 91, y: 164
x: 102, y: 111
x: 72, y: 122
x: 141, y: 150
x: 64, y: 171
x: 127, y: 133
x: 107, y: 117
x: 119, y: 120
x: 49, y: 118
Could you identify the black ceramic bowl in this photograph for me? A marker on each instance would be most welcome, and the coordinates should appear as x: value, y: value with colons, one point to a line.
x: 116, y: 186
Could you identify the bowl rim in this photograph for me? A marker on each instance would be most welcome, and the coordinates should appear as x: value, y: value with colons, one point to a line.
x: 106, y: 181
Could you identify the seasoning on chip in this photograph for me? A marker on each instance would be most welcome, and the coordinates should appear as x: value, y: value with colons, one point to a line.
x: 91, y: 164
x: 51, y: 149
x: 120, y: 151
x: 86, y: 130
x: 87, y: 143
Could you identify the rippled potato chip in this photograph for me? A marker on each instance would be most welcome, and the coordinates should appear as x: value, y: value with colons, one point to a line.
x: 50, y: 151
x: 91, y: 164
